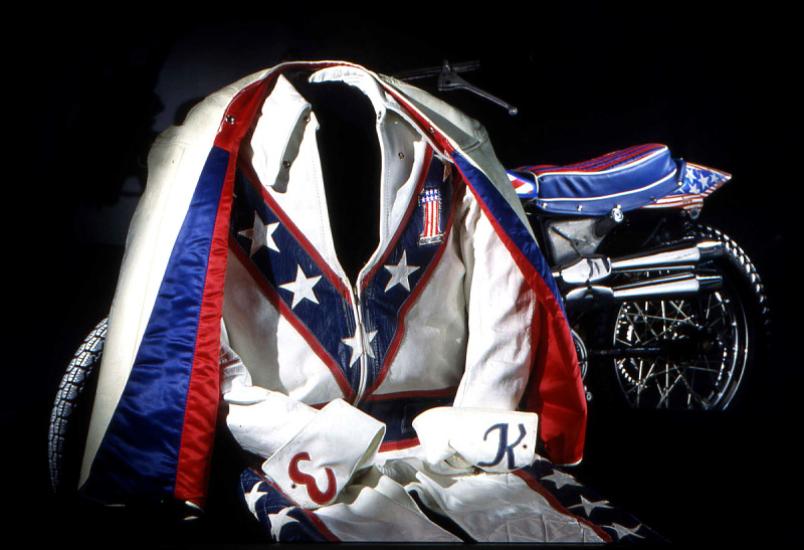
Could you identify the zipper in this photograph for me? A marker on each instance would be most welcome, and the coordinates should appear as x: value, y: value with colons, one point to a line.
x: 361, y: 389
x: 360, y: 333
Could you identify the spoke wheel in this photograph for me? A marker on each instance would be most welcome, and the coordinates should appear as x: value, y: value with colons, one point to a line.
x: 700, y: 352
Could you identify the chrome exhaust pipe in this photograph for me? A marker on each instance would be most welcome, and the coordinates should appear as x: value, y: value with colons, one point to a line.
x: 591, y: 269
x: 671, y: 256
x: 672, y: 285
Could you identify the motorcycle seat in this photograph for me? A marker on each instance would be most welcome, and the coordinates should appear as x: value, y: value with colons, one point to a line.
x: 625, y: 179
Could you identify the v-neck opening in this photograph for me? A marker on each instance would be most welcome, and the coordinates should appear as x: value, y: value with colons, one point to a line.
x: 293, y: 160
x: 422, y: 152
x: 390, y: 211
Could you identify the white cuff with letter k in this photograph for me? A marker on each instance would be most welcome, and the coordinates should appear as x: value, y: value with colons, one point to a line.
x: 493, y: 440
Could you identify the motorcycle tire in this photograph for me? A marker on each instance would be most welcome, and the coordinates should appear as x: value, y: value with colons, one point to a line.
x: 69, y: 418
x: 723, y: 334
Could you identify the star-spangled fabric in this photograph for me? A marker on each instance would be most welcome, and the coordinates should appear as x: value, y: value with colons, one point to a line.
x: 283, y: 520
x: 643, y: 176
x: 588, y: 505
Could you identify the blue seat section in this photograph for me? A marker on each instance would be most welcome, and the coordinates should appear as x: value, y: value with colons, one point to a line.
x: 630, y: 179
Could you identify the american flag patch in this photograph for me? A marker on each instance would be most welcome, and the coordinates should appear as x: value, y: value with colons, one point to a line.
x: 430, y: 201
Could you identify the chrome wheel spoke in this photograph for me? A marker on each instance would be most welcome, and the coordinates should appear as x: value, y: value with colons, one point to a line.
x: 705, y: 325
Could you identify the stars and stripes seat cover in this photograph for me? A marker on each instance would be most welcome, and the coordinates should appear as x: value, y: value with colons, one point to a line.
x: 640, y: 176
x: 230, y: 298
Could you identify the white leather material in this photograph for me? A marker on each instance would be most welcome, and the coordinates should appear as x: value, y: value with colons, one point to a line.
x: 276, y: 355
x: 488, y: 439
x: 501, y: 309
x: 432, y: 351
x: 376, y: 508
x: 309, y: 469
x: 515, y: 513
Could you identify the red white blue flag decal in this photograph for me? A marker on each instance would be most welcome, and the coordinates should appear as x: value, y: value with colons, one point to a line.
x: 430, y: 201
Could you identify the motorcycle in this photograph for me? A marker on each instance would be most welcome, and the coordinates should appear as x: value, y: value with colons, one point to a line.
x: 674, y: 310
x: 675, y: 307
x: 671, y: 309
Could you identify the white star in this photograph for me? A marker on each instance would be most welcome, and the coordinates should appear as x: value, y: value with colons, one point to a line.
x: 260, y: 235
x: 691, y: 175
x: 623, y: 531
x: 253, y: 496
x: 360, y: 345
x: 400, y: 273
x: 561, y: 479
x: 302, y: 287
x: 589, y: 506
x: 704, y: 180
x: 694, y: 188
x: 279, y: 520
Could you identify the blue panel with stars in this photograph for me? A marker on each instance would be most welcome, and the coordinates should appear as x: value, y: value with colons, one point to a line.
x: 588, y: 506
x: 700, y: 180
x: 281, y: 518
x: 396, y: 281
x: 288, y: 267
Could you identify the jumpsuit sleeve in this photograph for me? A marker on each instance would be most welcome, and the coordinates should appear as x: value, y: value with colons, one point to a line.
x: 520, y: 353
x: 310, y: 454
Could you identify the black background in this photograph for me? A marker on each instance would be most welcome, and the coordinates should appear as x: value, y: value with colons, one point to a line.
x: 90, y: 90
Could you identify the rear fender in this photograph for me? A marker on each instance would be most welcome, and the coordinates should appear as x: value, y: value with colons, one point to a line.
x: 698, y: 183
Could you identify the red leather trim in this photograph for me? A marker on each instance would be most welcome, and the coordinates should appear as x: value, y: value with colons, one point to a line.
x: 398, y: 445
x: 203, y: 393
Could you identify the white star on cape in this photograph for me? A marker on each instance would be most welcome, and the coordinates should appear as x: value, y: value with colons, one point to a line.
x: 253, y: 496
x: 279, y: 520
x: 260, y: 235
x: 400, y: 273
x: 359, y: 346
x: 302, y: 287
x: 589, y: 506
x: 561, y: 479
x: 623, y: 531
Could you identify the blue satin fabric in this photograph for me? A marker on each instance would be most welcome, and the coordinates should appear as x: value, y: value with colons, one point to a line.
x: 139, y: 453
